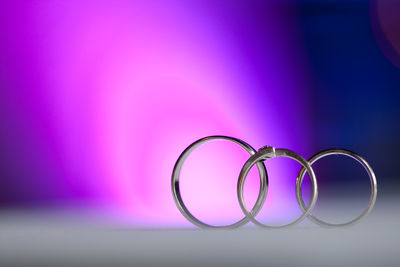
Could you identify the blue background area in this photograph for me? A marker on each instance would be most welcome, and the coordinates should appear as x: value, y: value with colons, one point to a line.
x: 356, y: 88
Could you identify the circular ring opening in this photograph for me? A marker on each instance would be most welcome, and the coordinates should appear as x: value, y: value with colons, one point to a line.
x: 352, y: 155
x: 265, y: 154
x: 176, y: 189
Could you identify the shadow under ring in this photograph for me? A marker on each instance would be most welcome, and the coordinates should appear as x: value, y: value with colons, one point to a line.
x: 360, y: 160
x: 266, y: 153
x: 176, y: 190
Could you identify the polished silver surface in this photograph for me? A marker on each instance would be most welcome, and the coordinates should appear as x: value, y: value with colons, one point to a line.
x: 352, y: 155
x: 176, y: 191
x: 266, y: 153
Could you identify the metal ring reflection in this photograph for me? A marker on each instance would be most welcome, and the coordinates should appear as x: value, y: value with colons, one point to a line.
x: 352, y: 155
x: 176, y: 189
x: 266, y: 153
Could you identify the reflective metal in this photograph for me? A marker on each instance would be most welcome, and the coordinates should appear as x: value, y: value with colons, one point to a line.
x: 266, y: 153
x: 352, y: 155
x: 176, y: 190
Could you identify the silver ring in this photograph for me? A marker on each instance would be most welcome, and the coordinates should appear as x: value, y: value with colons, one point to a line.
x: 266, y: 153
x: 352, y: 155
x: 176, y: 191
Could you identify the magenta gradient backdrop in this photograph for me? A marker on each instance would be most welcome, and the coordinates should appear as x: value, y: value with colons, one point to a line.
x: 99, y: 98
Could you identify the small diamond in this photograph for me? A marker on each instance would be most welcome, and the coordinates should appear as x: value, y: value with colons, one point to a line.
x: 267, y: 149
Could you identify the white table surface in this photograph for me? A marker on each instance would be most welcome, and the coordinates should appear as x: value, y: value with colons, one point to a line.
x: 29, y: 240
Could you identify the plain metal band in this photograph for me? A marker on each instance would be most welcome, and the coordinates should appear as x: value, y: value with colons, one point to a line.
x: 176, y: 191
x: 266, y: 153
x: 352, y: 155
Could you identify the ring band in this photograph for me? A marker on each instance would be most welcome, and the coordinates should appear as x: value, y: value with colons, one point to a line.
x: 266, y: 153
x: 352, y: 155
x: 176, y: 190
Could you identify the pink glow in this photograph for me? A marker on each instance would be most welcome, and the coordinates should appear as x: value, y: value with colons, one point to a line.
x: 131, y: 84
